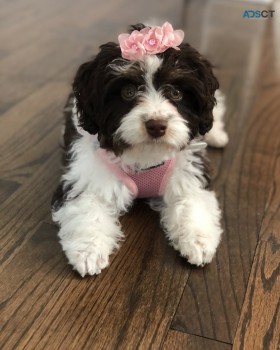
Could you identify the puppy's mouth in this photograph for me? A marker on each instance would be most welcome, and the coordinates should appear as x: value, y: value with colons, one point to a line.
x: 120, y: 145
x: 167, y: 139
x: 152, y: 134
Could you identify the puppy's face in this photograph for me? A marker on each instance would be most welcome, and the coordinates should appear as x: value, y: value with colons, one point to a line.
x: 157, y: 104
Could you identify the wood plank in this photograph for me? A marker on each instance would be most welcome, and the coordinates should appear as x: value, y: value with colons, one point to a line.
x: 16, y: 10
x: 32, y: 109
x: 179, y: 341
x: 29, y: 141
x: 271, y: 223
x: 48, y: 18
x: 259, y: 325
x: 212, y: 301
x: 29, y: 76
x: 27, y: 206
x: 7, y: 188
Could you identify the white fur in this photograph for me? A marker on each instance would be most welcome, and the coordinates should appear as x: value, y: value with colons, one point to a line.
x: 190, y: 214
x: 217, y: 136
x: 88, y: 220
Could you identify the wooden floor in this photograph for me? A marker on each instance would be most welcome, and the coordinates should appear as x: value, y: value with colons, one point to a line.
x: 149, y: 297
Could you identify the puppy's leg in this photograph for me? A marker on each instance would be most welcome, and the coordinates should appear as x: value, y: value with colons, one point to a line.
x: 86, y: 206
x: 191, y: 216
x: 89, y: 232
x: 217, y: 136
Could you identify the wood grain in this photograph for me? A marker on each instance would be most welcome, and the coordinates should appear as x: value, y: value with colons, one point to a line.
x: 7, y: 188
x: 26, y: 207
x: 178, y: 341
x: 259, y: 324
x: 271, y: 223
x: 22, y: 150
x: 134, y: 303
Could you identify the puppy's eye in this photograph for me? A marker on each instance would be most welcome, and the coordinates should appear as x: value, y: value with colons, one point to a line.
x: 141, y: 88
x: 128, y: 92
x: 173, y: 93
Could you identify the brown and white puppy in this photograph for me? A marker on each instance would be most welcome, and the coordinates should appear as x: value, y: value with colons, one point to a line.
x: 142, y: 113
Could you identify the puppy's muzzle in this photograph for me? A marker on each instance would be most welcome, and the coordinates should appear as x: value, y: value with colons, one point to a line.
x: 156, y: 127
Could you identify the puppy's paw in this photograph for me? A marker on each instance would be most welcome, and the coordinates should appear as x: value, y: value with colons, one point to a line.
x: 197, y: 252
x: 199, y: 247
x: 87, y: 262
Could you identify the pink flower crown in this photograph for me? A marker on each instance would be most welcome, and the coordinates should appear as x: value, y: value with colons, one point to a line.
x: 149, y: 41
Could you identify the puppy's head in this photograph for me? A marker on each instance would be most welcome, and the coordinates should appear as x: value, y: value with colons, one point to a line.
x: 159, y: 102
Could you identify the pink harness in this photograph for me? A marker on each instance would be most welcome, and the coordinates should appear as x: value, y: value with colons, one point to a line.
x: 146, y: 183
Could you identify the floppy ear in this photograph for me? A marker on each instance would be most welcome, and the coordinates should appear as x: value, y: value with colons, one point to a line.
x: 202, y: 83
x: 211, y: 85
x: 86, y: 96
x: 88, y: 87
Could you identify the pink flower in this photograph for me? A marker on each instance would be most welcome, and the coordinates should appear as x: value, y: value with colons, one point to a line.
x: 152, y: 40
x: 172, y: 38
x: 132, y: 45
x: 149, y: 41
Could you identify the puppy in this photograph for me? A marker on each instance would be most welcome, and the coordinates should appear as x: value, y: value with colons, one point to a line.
x: 134, y: 127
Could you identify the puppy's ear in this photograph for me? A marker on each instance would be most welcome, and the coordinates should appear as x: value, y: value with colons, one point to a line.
x: 89, y: 85
x: 202, y: 83
x: 86, y: 96
x: 211, y: 85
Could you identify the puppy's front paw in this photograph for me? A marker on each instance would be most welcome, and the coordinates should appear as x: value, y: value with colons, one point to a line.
x: 87, y: 262
x: 198, y: 251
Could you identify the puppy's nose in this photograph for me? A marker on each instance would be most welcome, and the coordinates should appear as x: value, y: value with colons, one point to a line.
x: 156, y: 127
